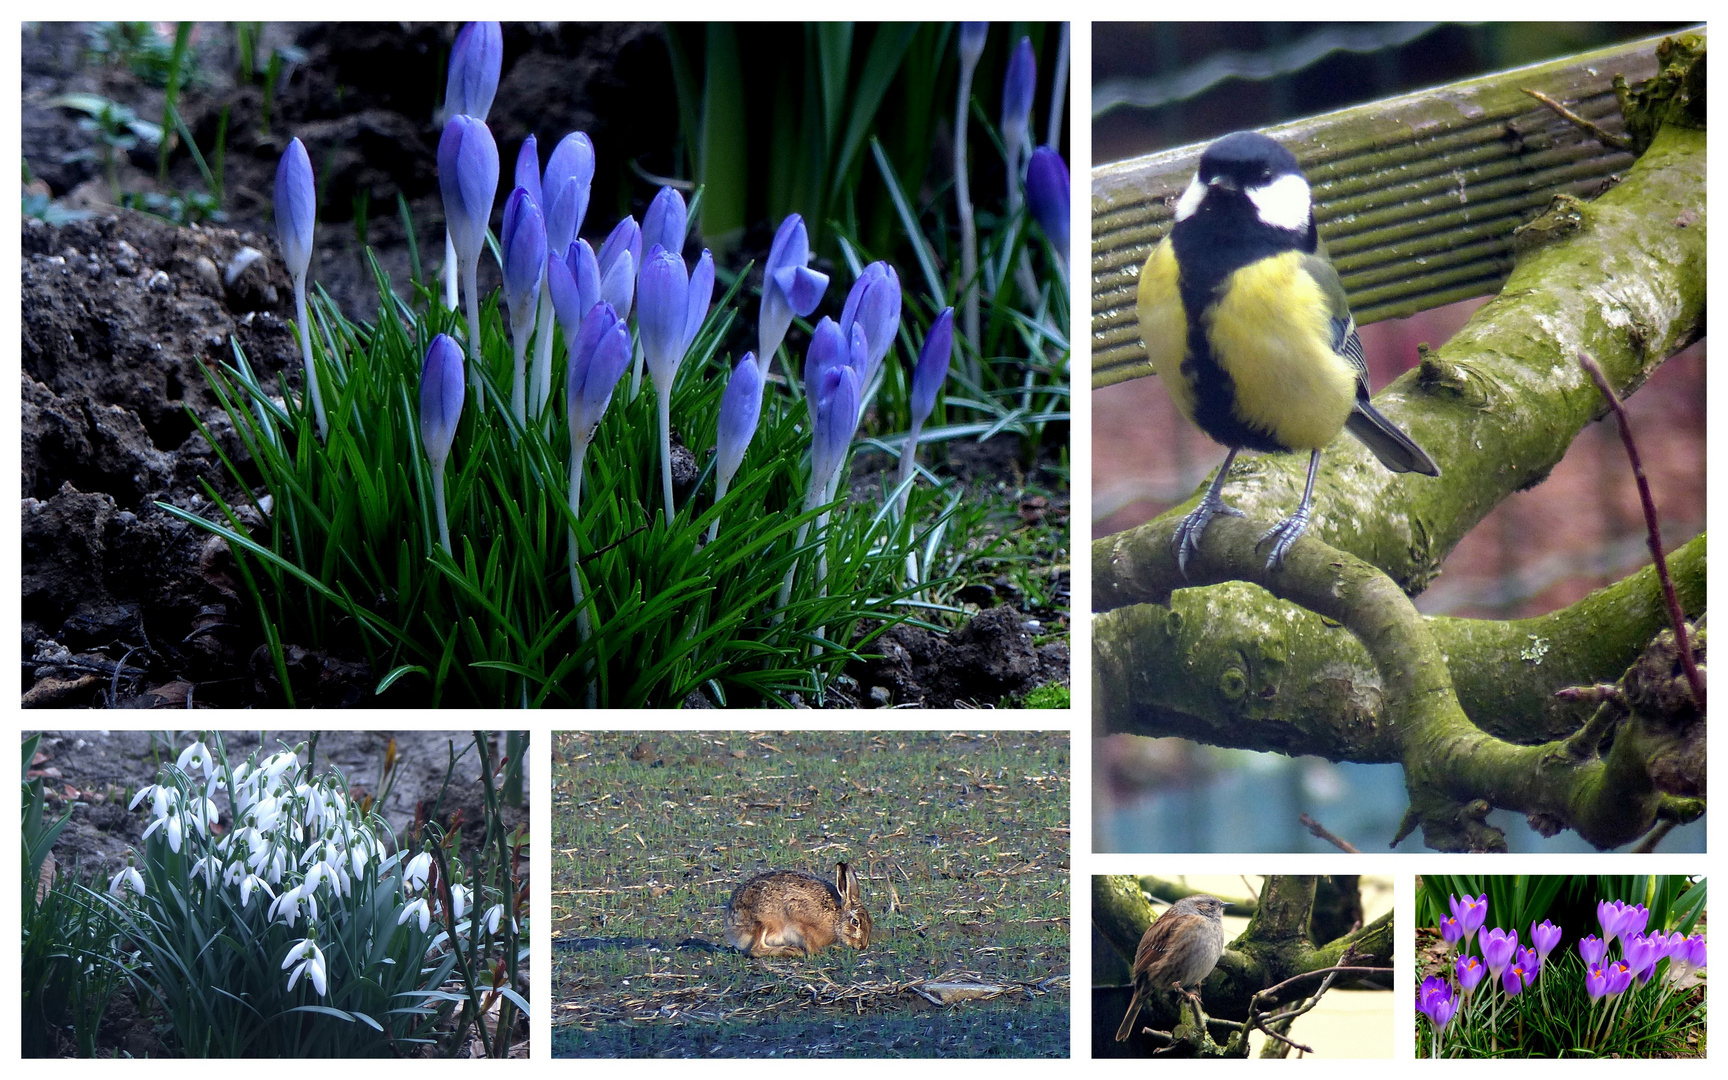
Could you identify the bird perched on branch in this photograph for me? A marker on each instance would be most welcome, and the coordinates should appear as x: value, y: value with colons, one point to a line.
x: 1246, y: 322
x: 1176, y: 952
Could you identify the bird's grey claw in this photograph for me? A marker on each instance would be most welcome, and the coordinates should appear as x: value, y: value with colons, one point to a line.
x: 1283, y: 536
x: 1193, y: 527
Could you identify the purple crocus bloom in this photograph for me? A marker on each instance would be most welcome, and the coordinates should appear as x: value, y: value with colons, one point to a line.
x: 1515, y: 979
x: 1471, y: 913
x: 1047, y: 196
x: 620, y: 257
x: 1592, y: 949
x: 441, y: 393
x: 1470, y: 971
x: 523, y: 244
x: 528, y: 169
x: 296, y: 208
x: 789, y: 287
x: 599, y: 353
x: 827, y: 350
x: 672, y: 307
x: 1619, y: 977
x: 972, y: 38
x: 836, y: 422
x: 567, y: 183
x: 1497, y: 948
x: 1696, y: 951
x: 1435, y: 1000
x: 933, y: 361
x: 1610, y: 914
x: 1633, y: 919
x: 1451, y: 931
x: 574, y: 284
x: 1640, y: 954
x: 874, y: 304
x: 468, y: 178
x: 666, y: 222
x: 475, y: 62
x: 1595, y: 981
x: 1531, y: 961
x: 1018, y: 86
x: 740, y: 409
x: 1545, y: 936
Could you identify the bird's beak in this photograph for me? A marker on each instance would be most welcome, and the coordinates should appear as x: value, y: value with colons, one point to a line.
x: 1223, y: 183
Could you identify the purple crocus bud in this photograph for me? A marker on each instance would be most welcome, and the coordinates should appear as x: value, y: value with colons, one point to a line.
x: 1470, y: 971
x: 1641, y: 956
x: 1434, y: 999
x: 789, y: 286
x: 1018, y: 86
x: 932, y: 372
x: 1633, y: 920
x: 585, y: 269
x: 827, y: 350
x: 574, y: 282
x: 598, y: 356
x: 626, y: 236
x: 468, y: 178
x: 740, y: 409
x: 1545, y: 936
x: 1471, y: 913
x: 528, y: 169
x: 665, y: 222
x: 663, y: 309
x: 568, y: 181
x: 972, y: 38
x: 475, y: 62
x: 296, y: 208
x: 1047, y: 196
x: 836, y: 422
x: 700, y: 295
x: 1696, y: 951
x: 524, y: 250
x: 1592, y: 949
x: 1610, y: 914
x: 1497, y: 948
x: 620, y: 256
x: 1595, y: 981
x: 874, y: 304
x: 442, y: 383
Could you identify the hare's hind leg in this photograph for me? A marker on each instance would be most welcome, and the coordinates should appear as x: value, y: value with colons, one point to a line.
x: 783, y: 940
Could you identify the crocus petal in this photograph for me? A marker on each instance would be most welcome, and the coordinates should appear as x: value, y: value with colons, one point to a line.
x: 665, y: 222
x: 468, y: 179
x: 740, y: 409
x: 699, y: 294
x: 443, y: 383
x: 296, y: 208
x: 1047, y: 196
x: 625, y: 236
x: 475, y: 63
x: 662, y: 309
x: 598, y: 357
x: 972, y: 38
x: 618, y: 283
x: 568, y: 181
x: 804, y: 288
x: 585, y: 271
x: 528, y: 169
x: 932, y: 369
x: 1018, y: 86
x: 524, y: 251
x: 836, y: 422
x: 827, y: 350
x: 566, y: 296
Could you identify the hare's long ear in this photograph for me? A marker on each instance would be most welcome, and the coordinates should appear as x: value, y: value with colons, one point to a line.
x: 846, y: 883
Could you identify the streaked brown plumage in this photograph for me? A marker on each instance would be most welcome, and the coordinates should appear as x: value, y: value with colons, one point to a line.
x: 1176, y: 952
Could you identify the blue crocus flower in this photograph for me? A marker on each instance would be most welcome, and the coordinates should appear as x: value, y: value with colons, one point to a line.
x: 620, y: 256
x: 296, y: 220
x: 972, y: 37
x: 441, y: 393
x: 670, y: 310
x: 524, y: 251
x: 1047, y: 198
x: 789, y: 287
x: 932, y: 369
x: 829, y: 348
x: 468, y: 179
x: 475, y: 62
x: 666, y: 222
x: 574, y: 285
x: 1018, y: 86
x: 568, y: 181
x: 740, y: 409
x: 528, y: 169
x: 836, y: 423
x: 874, y: 305
x: 599, y: 353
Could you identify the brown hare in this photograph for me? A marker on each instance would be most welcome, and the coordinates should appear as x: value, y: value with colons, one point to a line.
x: 791, y: 913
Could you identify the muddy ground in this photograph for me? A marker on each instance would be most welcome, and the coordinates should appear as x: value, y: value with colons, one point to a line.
x: 125, y: 606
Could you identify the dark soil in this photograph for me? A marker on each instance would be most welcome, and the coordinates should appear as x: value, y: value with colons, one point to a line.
x: 124, y: 605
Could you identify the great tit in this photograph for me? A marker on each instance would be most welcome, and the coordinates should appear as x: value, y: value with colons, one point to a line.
x: 1247, y: 324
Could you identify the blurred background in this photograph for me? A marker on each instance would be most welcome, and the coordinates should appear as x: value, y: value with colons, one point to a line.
x: 1162, y: 85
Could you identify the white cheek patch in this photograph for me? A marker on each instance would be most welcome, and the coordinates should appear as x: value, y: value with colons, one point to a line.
x: 1285, y: 203
x: 1190, y: 200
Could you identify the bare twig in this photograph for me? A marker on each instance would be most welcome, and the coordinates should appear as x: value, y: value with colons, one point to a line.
x: 1654, y: 837
x: 1321, y: 831
x: 1595, y: 131
x: 1675, y: 615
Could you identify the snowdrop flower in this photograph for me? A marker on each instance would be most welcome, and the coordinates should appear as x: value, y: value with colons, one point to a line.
x: 277, y: 764
x: 458, y: 900
x: 311, y: 965
x: 197, y: 756
x: 169, y: 822
x: 296, y: 217
x: 415, y: 873
x: 493, y: 917
x: 789, y: 287
x: 128, y: 875
x: 250, y: 882
x: 420, y: 908
x: 740, y: 410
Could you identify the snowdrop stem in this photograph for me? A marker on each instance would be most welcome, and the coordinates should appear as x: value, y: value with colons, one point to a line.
x: 470, y: 285
x: 664, y: 393
x: 438, y: 504
x: 306, y: 351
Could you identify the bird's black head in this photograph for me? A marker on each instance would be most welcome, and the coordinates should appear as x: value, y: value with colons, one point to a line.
x: 1252, y: 180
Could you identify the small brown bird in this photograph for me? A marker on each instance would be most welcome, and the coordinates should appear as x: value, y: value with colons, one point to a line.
x: 1176, y: 952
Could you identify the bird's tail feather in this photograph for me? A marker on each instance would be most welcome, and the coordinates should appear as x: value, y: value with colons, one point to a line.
x: 1396, y: 450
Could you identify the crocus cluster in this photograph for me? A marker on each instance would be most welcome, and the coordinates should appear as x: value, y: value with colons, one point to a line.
x: 1436, y: 1001
x: 295, y: 844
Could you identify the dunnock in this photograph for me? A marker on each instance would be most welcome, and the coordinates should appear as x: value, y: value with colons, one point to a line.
x: 1177, y: 952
